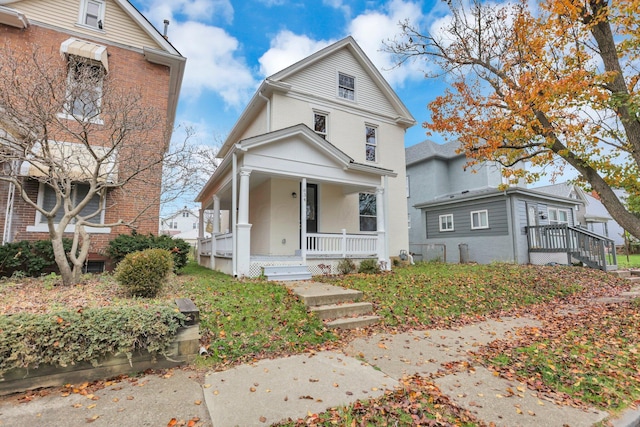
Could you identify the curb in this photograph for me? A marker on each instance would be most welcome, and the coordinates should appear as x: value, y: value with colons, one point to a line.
x: 630, y: 418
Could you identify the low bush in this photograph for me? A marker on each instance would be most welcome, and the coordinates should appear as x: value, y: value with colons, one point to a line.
x: 30, y: 258
x: 125, y: 244
x: 346, y: 266
x: 369, y: 266
x: 143, y: 273
x: 65, y: 338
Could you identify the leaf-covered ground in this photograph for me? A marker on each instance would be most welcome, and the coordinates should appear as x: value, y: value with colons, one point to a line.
x: 585, y: 353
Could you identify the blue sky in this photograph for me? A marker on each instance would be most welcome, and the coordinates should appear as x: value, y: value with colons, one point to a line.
x: 231, y: 46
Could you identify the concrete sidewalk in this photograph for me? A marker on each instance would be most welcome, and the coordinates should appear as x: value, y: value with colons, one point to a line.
x: 268, y: 391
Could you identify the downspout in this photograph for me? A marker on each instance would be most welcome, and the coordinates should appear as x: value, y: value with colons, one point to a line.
x: 268, y: 101
x: 514, y: 231
x: 234, y: 214
x: 386, y: 220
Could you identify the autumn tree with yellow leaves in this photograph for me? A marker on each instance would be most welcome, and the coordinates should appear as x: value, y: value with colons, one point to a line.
x: 551, y: 83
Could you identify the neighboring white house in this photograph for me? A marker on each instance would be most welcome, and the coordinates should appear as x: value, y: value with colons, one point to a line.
x: 323, y: 137
x: 182, y: 221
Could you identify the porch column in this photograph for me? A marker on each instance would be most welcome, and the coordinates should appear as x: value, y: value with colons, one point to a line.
x: 380, y: 226
x: 243, y: 227
x: 215, y: 230
x: 303, y: 220
x: 200, y: 233
x: 216, y: 215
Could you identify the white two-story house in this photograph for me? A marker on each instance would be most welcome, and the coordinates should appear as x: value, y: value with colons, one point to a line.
x: 313, y: 171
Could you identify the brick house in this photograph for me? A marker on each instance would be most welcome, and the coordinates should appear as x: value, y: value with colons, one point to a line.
x: 116, y: 41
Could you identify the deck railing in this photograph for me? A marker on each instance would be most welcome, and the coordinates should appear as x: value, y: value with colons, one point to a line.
x: 592, y: 249
x: 204, y: 246
x: 342, y: 244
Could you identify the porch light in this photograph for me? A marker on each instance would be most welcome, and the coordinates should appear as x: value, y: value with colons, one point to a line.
x: 294, y: 195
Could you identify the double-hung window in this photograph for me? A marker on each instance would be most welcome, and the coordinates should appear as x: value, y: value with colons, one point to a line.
x: 346, y: 87
x: 371, y: 143
x: 92, y: 13
x: 84, y: 88
x: 479, y: 219
x: 92, y: 212
x: 368, y: 212
x: 446, y: 222
x: 320, y: 124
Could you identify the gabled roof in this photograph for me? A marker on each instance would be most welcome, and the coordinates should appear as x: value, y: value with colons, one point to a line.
x: 276, y: 82
x: 168, y: 55
x: 429, y: 149
x: 564, y: 189
x: 303, y: 133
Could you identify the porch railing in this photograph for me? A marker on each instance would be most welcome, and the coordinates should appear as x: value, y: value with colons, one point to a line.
x: 224, y: 244
x: 342, y: 244
x: 592, y: 249
x: 204, y: 246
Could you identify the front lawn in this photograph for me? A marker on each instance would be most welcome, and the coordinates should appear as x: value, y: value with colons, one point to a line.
x: 628, y: 261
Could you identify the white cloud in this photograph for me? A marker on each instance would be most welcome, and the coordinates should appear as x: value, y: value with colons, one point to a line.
x: 371, y: 28
x: 213, y: 65
x: 286, y: 49
x: 196, y: 10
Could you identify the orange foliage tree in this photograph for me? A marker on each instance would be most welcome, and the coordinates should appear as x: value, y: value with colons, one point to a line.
x: 551, y: 84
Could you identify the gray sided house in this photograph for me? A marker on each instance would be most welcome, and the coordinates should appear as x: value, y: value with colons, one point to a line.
x: 459, y: 213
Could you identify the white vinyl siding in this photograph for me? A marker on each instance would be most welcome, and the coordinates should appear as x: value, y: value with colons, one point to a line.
x: 119, y: 27
x: 321, y: 80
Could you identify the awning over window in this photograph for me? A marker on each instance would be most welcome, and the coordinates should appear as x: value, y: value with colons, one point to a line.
x: 72, y: 160
x: 13, y: 17
x: 86, y: 49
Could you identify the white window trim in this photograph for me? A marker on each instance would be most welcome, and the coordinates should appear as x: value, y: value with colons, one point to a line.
x: 479, y: 213
x: 408, y: 182
x: 557, y: 211
x: 440, y: 223
x: 366, y: 142
x: 82, y: 13
x: 40, y: 227
x: 326, y: 122
x: 355, y: 84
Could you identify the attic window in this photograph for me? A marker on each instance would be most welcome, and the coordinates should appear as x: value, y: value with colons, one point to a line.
x: 92, y: 13
x: 346, y: 87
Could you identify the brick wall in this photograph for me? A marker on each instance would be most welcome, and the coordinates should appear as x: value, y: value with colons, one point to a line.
x: 138, y: 199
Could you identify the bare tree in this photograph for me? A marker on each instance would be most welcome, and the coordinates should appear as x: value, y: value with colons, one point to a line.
x: 88, y: 139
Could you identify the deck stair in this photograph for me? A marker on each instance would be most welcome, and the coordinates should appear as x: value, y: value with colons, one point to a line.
x: 337, y: 307
x: 284, y: 273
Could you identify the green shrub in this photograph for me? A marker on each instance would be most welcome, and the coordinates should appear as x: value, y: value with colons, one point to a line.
x: 143, y: 273
x: 64, y: 338
x: 31, y: 258
x: 369, y: 266
x: 125, y: 244
x: 346, y: 266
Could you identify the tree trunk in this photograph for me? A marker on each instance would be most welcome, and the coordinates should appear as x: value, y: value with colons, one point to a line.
x: 61, y: 260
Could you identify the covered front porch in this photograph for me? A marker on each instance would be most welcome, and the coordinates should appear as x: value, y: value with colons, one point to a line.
x: 295, y: 200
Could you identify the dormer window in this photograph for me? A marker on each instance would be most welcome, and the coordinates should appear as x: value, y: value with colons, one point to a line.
x: 346, y: 87
x: 92, y: 13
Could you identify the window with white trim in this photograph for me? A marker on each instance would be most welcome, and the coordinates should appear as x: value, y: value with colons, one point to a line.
x: 92, y: 13
x: 320, y: 124
x: 446, y: 222
x: 47, y: 201
x: 368, y: 209
x: 84, y: 88
x: 346, y: 87
x: 479, y: 219
x: 408, y: 187
x: 558, y: 216
x: 371, y: 143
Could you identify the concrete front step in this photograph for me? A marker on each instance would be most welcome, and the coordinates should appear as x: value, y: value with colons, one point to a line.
x: 352, y: 322
x: 335, y: 311
x: 315, y: 294
x: 286, y: 272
